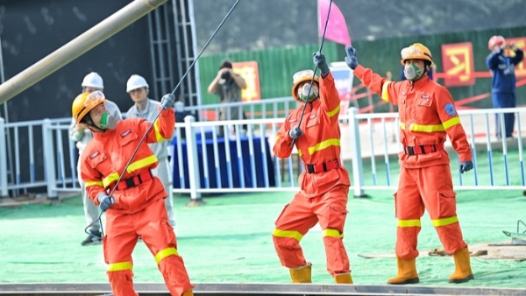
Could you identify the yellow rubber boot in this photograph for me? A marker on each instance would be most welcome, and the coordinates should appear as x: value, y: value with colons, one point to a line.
x: 406, y: 273
x: 188, y: 293
x: 343, y: 278
x: 463, y: 271
x: 301, y: 274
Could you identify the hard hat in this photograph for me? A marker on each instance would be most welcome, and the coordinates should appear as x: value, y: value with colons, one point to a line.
x: 93, y: 80
x: 84, y: 102
x: 416, y: 51
x: 135, y: 82
x: 300, y: 77
x: 496, y: 40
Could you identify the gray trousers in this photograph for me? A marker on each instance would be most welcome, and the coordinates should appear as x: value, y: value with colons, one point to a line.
x: 91, y: 211
x: 162, y: 171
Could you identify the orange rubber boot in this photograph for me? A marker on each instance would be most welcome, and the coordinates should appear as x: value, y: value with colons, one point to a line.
x: 463, y: 271
x: 343, y: 278
x: 301, y: 274
x: 406, y: 273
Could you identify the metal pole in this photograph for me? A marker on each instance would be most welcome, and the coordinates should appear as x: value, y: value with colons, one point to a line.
x: 6, y: 117
x: 3, y: 159
x: 78, y: 46
x: 193, y: 163
x: 49, y: 160
x: 357, y: 170
x: 194, y: 50
x: 2, y: 79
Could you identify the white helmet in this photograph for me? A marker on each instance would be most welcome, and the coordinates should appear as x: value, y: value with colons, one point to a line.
x: 135, y: 82
x: 93, y: 80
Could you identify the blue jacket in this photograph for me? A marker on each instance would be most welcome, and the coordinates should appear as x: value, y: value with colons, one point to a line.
x: 503, y: 70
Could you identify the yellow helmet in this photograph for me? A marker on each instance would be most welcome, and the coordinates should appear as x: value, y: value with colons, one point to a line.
x: 85, y: 102
x: 416, y: 51
x: 300, y: 77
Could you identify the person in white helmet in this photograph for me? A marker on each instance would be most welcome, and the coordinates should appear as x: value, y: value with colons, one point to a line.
x: 91, y: 82
x: 148, y: 109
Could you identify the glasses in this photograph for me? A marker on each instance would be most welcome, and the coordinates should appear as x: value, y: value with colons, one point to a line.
x: 413, y: 51
x: 94, y: 98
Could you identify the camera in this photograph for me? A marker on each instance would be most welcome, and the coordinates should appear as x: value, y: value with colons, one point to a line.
x: 225, y: 75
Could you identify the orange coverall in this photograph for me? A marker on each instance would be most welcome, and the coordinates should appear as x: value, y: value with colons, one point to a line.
x: 138, y: 210
x: 323, y: 194
x: 427, y: 115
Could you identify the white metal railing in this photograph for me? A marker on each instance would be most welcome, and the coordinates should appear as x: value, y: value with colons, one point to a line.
x: 45, y: 157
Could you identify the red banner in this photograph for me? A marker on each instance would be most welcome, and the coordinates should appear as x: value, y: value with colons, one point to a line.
x: 250, y: 72
x: 520, y: 42
x: 457, y: 61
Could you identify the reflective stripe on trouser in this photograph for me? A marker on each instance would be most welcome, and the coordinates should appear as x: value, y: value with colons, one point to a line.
x: 300, y: 215
x: 91, y: 211
x: 163, y: 172
x: 151, y: 223
x: 428, y: 189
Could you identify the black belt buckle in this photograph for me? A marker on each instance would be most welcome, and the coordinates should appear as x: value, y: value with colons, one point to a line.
x: 129, y: 182
x: 409, y: 150
x: 310, y: 169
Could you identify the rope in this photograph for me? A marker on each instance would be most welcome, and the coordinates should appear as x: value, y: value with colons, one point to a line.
x: 151, y: 125
x: 315, y: 69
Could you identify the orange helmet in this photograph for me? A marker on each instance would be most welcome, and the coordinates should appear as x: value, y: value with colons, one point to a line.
x: 300, y: 77
x: 416, y: 51
x: 495, y: 40
x: 85, y: 102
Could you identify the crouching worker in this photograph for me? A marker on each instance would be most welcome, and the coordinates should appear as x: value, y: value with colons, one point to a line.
x: 136, y: 207
x: 324, y: 183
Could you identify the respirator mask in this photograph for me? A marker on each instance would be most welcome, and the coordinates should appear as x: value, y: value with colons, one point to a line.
x: 304, y: 94
x: 412, y: 72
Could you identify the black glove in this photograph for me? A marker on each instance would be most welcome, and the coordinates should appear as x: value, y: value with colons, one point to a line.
x: 466, y: 166
x: 321, y: 63
x: 351, y: 60
x: 167, y: 101
x: 295, y: 133
x: 105, y: 201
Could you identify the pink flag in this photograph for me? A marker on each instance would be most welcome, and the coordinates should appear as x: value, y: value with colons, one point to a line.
x: 336, y: 27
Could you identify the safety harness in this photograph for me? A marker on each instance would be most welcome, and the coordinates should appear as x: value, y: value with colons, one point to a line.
x: 322, y: 167
x: 423, y: 149
x: 134, y: 181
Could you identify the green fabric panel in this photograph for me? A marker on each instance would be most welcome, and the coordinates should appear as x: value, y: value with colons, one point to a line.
x: 276, y: 66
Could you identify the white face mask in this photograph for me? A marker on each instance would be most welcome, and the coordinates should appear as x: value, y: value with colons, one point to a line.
x: 304, y: 94
x: 107, y: 121
x: 412, y: 72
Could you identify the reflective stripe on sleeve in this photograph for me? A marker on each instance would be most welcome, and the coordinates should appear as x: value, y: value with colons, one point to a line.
x: 385, y: 94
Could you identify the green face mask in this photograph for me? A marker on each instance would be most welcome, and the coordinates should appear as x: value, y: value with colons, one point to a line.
x: 412, y: 72
x: 107, y: 121
x: 307, y: 96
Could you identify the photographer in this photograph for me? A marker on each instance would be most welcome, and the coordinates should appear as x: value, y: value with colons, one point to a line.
x: 227, y: 85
